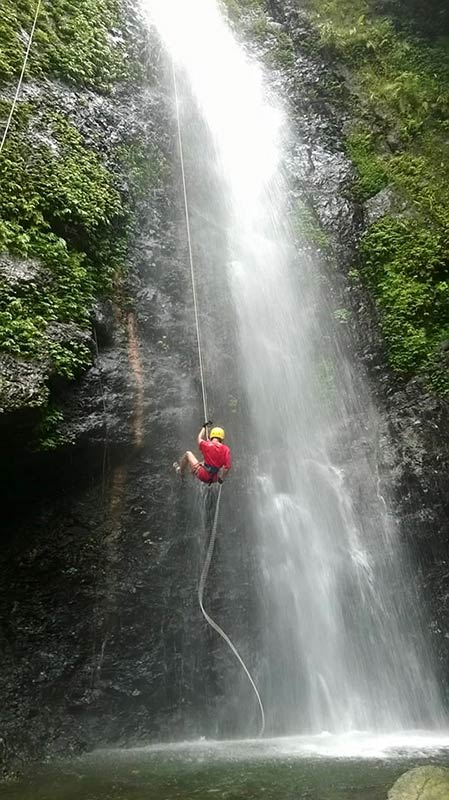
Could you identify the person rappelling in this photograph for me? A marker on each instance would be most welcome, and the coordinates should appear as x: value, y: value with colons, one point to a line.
x: 216, y: 454
x: 217, y: 457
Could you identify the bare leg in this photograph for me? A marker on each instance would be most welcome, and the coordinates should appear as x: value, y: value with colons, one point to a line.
x: 188, y: 461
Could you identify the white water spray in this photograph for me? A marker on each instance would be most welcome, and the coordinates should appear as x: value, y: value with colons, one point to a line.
x: 342, y: 647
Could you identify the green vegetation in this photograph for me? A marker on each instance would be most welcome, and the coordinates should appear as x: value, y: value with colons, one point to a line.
x: 276, y: 45
x: 48, y: 431
x: 235, y: 7
x: 326, y: 382
x: 281, y: 53
x: 65, y: 208
x: 58, y: 206
x: 308, y: 227
x: 399, y: 138
x: 342, y: 315
x: 372, y: 175
x: 80, y: 41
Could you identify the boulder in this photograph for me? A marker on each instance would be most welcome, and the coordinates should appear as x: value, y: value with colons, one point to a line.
x: 422, y: 783
x: 384, y: 202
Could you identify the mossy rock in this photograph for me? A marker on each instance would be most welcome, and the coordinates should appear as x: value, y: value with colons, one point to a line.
x: 422, y: 783
x: 397, y: 101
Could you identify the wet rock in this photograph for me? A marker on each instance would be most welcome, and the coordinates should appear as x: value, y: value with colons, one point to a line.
x: 422, y: 783
x: 101, y: 404
x: 69, y: 333
x: 104, y: 322
x: 413, y: 447
x: 22, y: 384
x: 383, y: 203
x: 16, y: 271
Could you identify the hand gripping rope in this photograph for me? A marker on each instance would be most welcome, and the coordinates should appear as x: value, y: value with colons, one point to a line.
x: 19, y: 85
x: 213, y: 536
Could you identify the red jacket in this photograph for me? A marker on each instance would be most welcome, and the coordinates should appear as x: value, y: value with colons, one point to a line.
x: 216, y: 455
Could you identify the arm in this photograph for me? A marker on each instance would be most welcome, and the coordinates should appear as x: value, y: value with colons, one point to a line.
x: 222, y: 474
x: 202, y: 436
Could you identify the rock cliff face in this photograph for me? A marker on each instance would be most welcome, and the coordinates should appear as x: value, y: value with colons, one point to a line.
x: 101, y: 635
x: 412, y: 450
x: 69, y: 174
x: 82, y: 493
x: 100, y: 632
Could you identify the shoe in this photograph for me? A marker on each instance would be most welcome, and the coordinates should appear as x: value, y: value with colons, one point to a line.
x: 177, y: 468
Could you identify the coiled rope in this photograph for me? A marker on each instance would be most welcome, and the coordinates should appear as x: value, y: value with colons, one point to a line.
x: 19, y: 85
x: 213, y: 536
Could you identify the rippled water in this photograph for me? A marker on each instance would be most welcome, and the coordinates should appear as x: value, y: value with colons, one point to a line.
x: 353, y: 767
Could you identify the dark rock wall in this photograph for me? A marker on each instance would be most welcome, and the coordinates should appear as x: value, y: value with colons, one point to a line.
x: 85, y: 526
x: 412, y: 450
x: 102, y: 636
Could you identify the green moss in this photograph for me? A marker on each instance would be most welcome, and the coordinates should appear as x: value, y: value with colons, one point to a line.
x: 283, y: 53
x: 326, y: 383
x: 342, y: 315
x: 372, y: 174
x: 58, y: 205
x: 80, y: 41
x: 278, y: 50
x: 308, y: 226
x: 405, y: 264
x: 346, y: 30
x: 399, y: 138
x: 63, y: 205
x: 245, y: 5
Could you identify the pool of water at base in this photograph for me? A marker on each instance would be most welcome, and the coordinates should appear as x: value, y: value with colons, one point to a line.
x: 355, y: 767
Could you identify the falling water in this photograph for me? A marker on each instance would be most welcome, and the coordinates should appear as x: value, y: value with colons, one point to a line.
x: 342, y: 646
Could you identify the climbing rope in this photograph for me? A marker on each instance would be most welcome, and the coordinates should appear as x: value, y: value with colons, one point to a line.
x: 19, y: 85
x: 213, y: 536
x: 212, y: 622
x: 189, y: 241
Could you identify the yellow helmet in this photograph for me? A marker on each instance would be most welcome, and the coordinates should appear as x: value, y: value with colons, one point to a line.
x: 217, y: 433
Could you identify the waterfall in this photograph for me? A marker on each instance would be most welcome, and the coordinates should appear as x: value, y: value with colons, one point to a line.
x: 342, y: 646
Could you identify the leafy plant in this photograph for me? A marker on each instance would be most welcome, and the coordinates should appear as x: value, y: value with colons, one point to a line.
x: 81, y: 41
x: 63, y: 207
x: 342, y: 315
x: 58, y: 205
x: 399, y: 107
x: 48, y: 432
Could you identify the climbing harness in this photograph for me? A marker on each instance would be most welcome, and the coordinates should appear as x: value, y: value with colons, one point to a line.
x: 19, y: 85
x: 211, y: 470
